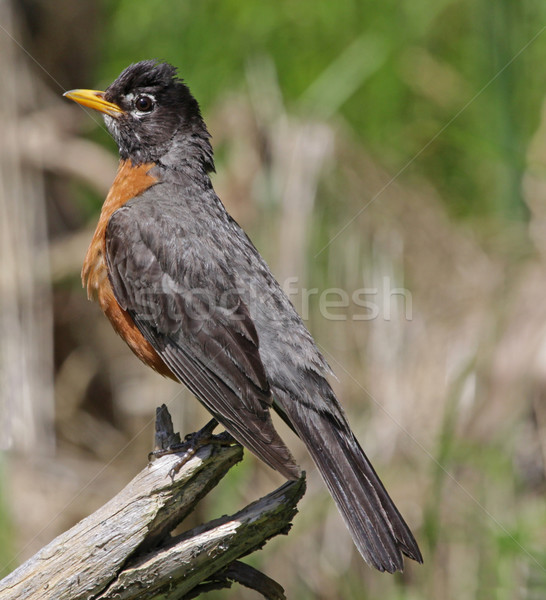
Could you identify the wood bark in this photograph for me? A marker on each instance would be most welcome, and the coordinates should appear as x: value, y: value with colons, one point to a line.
x: 124, y: 550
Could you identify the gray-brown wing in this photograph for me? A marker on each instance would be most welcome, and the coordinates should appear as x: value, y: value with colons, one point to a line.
x: 184, y: 303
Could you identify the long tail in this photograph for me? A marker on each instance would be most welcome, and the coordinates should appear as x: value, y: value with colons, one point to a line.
x: 378, y: 530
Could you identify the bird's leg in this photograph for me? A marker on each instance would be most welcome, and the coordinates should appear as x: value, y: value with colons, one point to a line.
x: 191, y: 444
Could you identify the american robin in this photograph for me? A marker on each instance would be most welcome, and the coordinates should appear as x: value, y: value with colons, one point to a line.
x: 184, y: 286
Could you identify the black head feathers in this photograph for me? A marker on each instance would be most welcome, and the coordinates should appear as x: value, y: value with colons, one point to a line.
x: 160, y: 121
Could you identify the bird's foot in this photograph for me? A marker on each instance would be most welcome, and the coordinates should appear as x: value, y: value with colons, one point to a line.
x: 191, y: 444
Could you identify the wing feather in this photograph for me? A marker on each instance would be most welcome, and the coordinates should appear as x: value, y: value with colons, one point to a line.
x: 195, y: 320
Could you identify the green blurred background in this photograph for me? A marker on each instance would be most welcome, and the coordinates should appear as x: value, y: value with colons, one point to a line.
x: 395, y: 150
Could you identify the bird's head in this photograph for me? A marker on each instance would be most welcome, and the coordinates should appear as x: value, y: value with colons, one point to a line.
x: 152, y: 116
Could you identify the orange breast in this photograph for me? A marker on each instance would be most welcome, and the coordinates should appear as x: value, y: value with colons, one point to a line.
x: 130, y: 181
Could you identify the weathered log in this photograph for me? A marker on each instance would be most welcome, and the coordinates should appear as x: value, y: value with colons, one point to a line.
x: 124, y: 550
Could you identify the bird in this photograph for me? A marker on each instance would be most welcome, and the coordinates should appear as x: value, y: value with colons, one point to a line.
x: 187, y: 290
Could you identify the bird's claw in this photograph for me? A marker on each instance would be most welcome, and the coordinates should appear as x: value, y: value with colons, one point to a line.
x: 191, y: 444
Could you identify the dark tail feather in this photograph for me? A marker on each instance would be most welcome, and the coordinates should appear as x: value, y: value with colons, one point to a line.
x: 378, y: 530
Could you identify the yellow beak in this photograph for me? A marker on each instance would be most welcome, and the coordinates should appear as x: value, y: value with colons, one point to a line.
x: 94, y: 99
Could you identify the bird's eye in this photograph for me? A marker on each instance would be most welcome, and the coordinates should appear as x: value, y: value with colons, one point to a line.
x: 144, y: 103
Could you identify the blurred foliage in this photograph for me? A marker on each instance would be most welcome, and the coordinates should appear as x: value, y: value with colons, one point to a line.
x: 435, y: 112
x: 7, y: 534
x: 450, y: 90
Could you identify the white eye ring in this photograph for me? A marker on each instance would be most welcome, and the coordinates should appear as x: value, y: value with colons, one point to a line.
x: 144, y: 103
